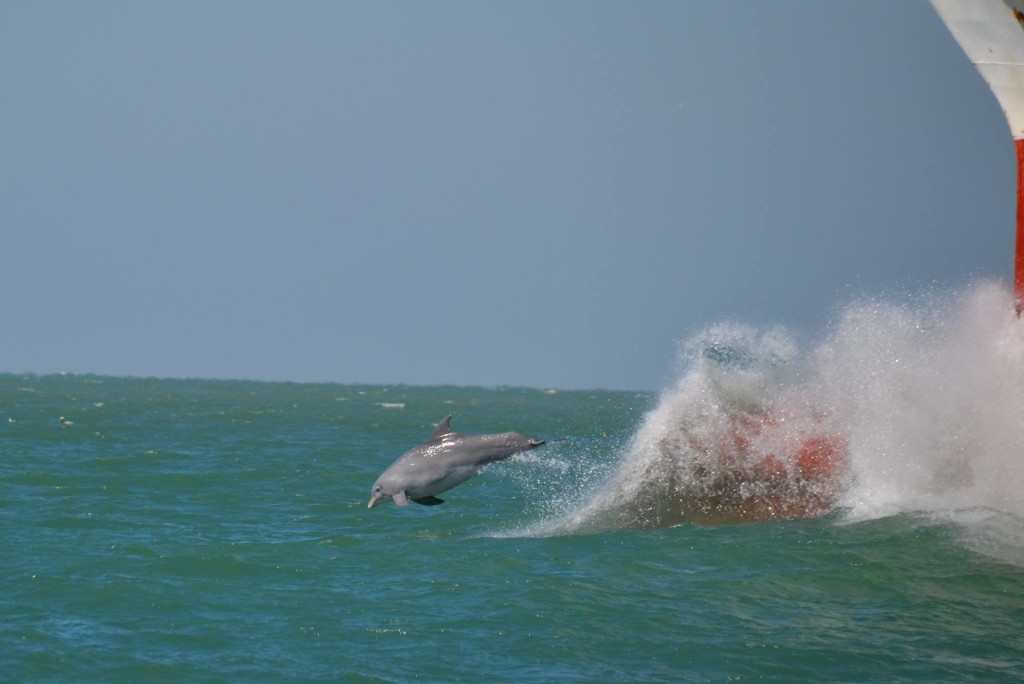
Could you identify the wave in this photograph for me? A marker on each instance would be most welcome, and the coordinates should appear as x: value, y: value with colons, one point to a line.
x: 903, y: 407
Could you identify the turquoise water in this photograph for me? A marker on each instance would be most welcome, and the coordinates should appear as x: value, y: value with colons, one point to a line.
x: 218, y: 531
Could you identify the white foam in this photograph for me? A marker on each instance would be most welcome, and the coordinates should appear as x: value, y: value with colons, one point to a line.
x: 928, y: 396
x: 932, y: 396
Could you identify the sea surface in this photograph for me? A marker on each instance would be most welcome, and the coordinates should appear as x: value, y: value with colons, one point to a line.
x: 211, y: 531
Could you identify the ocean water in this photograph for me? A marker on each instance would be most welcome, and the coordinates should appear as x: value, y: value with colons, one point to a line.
x: 194, y: 530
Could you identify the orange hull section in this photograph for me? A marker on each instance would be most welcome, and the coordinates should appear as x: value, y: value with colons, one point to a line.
x: 753, y: 482
x: 1018, y: 263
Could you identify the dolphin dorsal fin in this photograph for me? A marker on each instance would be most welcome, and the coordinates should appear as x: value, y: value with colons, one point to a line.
x: 442, y: 428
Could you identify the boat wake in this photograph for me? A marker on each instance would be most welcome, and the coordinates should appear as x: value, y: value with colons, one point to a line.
x: 902, y: 408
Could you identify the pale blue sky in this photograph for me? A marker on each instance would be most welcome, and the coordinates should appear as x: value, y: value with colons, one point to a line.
x: 548, y: 194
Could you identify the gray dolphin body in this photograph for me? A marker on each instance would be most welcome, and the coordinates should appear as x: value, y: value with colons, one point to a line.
x: 445, y: 460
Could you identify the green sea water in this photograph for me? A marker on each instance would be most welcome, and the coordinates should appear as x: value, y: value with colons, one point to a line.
x: 189, y: 530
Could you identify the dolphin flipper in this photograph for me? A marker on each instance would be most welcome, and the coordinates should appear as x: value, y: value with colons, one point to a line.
x: 400, y: 498
x: 428, y: 500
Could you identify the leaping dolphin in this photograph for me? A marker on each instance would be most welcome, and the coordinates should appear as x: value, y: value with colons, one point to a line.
x: 445, y: 460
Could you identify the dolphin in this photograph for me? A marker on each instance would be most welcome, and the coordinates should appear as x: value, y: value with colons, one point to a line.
x: 445, y: 460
